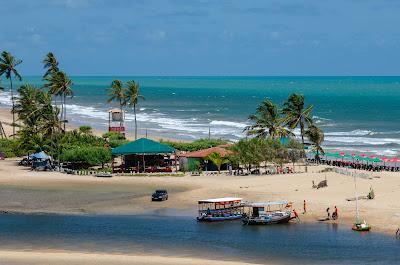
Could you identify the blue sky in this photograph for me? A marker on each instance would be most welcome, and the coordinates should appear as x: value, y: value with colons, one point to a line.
x: 205, y: 37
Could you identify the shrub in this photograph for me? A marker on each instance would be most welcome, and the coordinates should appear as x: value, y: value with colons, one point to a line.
x: 87, y: 156
x: 10, y: 147
x: 195, y: 145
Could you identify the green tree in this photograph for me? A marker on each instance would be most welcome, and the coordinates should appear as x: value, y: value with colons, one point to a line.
x: 50, y: 63
x: 85, y: 129
x: 59, y: 84
x: 8, y: 64
x: 267, y: 122
x: 294, y: 151
x: 316, y: 136
x: 217, y: 160
x: 131, y: 98
x: 297, y: 115
x: 116, y: 93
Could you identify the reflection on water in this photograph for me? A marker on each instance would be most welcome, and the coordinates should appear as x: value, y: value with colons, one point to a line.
x: 170, y: 235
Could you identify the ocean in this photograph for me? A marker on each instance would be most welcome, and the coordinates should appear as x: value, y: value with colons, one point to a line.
x: 359, y: 114
x: 165, y: 234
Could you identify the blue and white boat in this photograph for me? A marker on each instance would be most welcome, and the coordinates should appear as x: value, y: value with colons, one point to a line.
x: 264, y: 213
x: 220, y: 209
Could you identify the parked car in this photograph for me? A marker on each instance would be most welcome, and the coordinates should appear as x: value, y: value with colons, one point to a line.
x: 160, y: 195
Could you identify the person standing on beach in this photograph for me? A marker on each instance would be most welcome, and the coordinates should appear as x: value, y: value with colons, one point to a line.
x: 296, y: 215
x: 328, y: 213
x: 336, y: 213
x: 304, y: 207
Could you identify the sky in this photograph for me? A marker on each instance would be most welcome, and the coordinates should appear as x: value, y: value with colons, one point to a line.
x: 205, y: 37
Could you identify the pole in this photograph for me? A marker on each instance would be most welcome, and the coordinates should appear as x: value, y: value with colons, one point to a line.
x: 355, y: 192
x: 144, y: 165
x: 209, y: 132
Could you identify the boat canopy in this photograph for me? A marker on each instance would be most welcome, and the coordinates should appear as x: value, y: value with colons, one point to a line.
x: 226, y: 200
x: 265, y: 204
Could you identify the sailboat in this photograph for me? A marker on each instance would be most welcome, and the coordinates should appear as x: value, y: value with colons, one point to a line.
x: 358, y: 225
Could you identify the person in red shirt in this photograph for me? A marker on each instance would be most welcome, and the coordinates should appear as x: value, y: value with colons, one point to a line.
x: 335, y: 214
x: 296, y: 216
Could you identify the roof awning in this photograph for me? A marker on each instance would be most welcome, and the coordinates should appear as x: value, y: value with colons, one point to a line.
x: 222, y: 200
x: 143, y: 146
x: 265, y: 204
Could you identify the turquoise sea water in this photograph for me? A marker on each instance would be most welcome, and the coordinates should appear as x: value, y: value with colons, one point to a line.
x: 357, y: 113
x: 183, y: 236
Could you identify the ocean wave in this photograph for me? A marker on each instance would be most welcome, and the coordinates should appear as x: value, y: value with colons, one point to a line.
x: 229, y: 123
x: 5, y: 98
x: 351, y: 133
x: 375, y: 151
x: 192, y: 125
x: 361, y: 141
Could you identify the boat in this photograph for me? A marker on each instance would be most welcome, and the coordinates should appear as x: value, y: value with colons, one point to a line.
x: 265, y: 213
x: 358, y: 225
x: 220, y: 209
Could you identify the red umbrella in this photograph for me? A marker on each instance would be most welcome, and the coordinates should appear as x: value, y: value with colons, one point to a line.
x: 342, y: 153
x: 395, y: 160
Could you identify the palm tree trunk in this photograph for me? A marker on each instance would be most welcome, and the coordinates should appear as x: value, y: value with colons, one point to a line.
x: 120, y: 107
x: 65, y: 111
x: 13, y: 105
x: 134, y: 111
x: 62, y: 112
x: 302, y: 141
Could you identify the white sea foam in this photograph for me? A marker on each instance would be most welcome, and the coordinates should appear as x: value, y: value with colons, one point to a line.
x: 229, y: 123
x: 361, y: 140
x: 5, y: 99
x: 351, y: 133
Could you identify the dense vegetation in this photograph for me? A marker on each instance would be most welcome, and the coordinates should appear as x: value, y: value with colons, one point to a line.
x: 195, y: 145
x: 42, y: 117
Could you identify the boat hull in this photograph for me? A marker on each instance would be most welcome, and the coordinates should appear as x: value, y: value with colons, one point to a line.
x: 361, y: 228
x: 218, y: 218
x: 266, y: 221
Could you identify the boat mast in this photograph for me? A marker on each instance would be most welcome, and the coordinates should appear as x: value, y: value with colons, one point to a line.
x: 355, y: 191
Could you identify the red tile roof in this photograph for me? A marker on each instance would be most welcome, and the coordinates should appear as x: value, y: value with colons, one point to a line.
x: 206, y: 152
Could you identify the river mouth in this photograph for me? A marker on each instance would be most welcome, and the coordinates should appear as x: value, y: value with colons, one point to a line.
x: 175, y: 234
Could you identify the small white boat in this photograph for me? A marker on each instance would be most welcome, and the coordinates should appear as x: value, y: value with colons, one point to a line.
x: 264, y: 213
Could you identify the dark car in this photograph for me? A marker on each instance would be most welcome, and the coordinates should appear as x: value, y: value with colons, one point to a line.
x: 160, y: 195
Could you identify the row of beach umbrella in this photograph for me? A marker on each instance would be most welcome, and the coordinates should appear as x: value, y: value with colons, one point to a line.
x: 361, y: 157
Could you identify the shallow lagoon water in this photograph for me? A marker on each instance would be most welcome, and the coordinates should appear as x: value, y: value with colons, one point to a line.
x: 164, y: 234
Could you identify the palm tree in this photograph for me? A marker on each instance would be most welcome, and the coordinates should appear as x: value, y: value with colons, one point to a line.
x: 267, y: 121
x: 217, y: 160
x: 296, y: 114
x: 316, y: 137
x: 131, y: 98
x: 116, y: 93
x: 60, y: 85
x: 51, y: 64
x: 8, y: 63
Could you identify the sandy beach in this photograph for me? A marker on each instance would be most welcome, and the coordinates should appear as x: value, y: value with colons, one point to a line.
x: 75, y: 258
x: 27, y: 191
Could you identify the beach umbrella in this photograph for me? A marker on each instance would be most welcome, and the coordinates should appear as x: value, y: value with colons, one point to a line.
x: 376, y: 160
x: 395, y: 160
x: 385, y: 160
